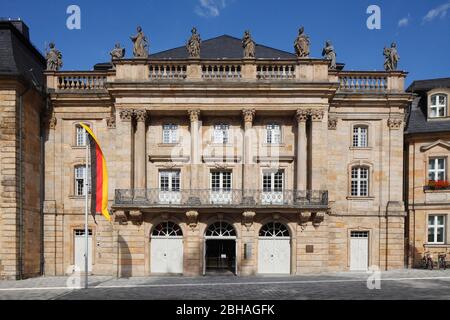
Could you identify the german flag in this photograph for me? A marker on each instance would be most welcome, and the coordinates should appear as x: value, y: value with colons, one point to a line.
x: 99, y: 177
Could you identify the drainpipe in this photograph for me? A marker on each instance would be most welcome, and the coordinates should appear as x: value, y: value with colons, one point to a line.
x: 41, y: 186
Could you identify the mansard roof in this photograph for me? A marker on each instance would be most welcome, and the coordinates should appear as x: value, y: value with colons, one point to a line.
x: 223, y: 47
x: 417, y: 119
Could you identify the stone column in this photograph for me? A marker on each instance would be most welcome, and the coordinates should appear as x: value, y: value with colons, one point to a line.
x: 318, y: 152
x: 194, y: 116
x: 248, y: 115
x: 124, y: 156
x: 302, y: 156
x: 140, y: 150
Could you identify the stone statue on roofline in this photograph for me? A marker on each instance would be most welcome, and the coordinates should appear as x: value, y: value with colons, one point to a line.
x: 118, y: 52
x: 249, y: 45
x: 193, y: 44
x: 329, y: 54
x: 140, y: 44
x: 391, y: 57
x: 54, y: 58
x: 302, y: 44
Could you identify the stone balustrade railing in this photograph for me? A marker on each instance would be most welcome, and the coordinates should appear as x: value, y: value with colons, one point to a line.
x: 80, y: 80
x: 304, y: 70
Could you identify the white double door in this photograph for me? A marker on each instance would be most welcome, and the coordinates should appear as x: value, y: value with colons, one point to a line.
x: 167, y: 255
x: 79, y: 250
x: 274, y: 255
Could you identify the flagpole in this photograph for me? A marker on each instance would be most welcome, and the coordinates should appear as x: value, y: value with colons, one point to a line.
x: 86, y: 230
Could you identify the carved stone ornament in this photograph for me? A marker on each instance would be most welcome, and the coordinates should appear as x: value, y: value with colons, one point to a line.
x: 394, y: 124
x: 247, y: 218
x: 318, y: 218
x: 301, y: 115
x: 332, y: 123
x: 111, y: 121
x: 52, y: 122
x: 119, y: 215
x: 316, y: 114
x: 194, y: 115
x: 136, y: 216
x: 192, y: 217
x: 126, y: 115
x: 303, y: 217
x: 141, y: 115
x: 248, y: 115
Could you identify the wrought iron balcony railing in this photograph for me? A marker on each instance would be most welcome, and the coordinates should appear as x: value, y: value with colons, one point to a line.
x: 222, y: 198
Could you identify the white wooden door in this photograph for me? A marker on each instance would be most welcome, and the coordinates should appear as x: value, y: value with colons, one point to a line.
x: 167, y: 255
x: 274, y: 256
x: 359, y: 250
x: 79, y: 250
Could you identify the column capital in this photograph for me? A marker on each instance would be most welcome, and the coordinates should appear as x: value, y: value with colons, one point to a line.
x: 194, y: 115
x: 126, y: 114
x: 301, y: 115
x: 141, y: 115
x: 248, y: 115
x: 316, y: 114
x: 394, y: 124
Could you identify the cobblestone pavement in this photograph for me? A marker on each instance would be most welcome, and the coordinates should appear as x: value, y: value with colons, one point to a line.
x: 401, y: 284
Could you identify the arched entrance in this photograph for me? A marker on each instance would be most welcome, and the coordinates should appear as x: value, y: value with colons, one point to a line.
x: 274, y: 249
x: 166, y: 248
x: 220, y: 249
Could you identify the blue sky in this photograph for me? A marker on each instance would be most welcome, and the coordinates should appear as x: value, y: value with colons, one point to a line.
x: 421, y: 28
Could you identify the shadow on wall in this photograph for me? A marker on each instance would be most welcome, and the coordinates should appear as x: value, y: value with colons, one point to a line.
x: 125, y: 261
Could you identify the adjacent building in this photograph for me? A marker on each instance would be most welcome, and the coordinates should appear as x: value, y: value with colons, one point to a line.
x: 427, y: 150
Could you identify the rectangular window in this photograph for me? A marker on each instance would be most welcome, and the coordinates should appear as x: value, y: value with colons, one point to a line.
x: 436, y: 228
x: 170, y: 133
x: 273, y: 134
x: 273, y: 183
x: 80, y: 180
x: 436, y: 169
x: 221, y: 133
x: 360, y: 137
x: 438, y: 107
x: 360, y: 182
x: 221, y: 187
x: 169, y: 180
x: 80, y: 136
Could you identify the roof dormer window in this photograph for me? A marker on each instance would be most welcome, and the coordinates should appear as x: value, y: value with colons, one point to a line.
x: 438, y: 106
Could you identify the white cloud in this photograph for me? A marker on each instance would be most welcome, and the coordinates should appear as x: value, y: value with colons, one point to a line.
x: 440, y: 12
x: 210, y: 8
x: 403, y: 22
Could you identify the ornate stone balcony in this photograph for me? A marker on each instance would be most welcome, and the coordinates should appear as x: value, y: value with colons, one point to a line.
x: 235, y: 198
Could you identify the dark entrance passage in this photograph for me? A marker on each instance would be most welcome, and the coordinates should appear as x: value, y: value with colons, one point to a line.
x: 220, y: 256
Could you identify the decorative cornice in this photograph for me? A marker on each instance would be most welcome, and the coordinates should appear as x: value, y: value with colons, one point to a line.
x: 194, y: 115
x: 394, y: 124
x: 439, y: 142
x: 248, y: 115
x: 126, y: 115
x: 301, y: 115
x: 332, y: 123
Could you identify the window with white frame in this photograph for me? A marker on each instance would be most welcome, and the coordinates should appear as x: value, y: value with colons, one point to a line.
x: 360, y: 182
x: 80, y: 176
x: 436, y: 228
x: 360, y: 136
x: 438, y: 106
x: 170, y: 133
x: 81, y: 136
x: 436, y: 169
x: 273, y: 133
x: 273, y: 181
x: 221, y: 181
x: 221, y: 133
x: 169, y: 180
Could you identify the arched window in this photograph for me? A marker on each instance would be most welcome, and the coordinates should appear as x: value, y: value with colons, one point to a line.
x: 360, y: 136
x: 220, y: 229
x: 438, y: 105
x: 360, y: 182
x: 274, y: 229
x: 167, y: 229
x: 80, y: 136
